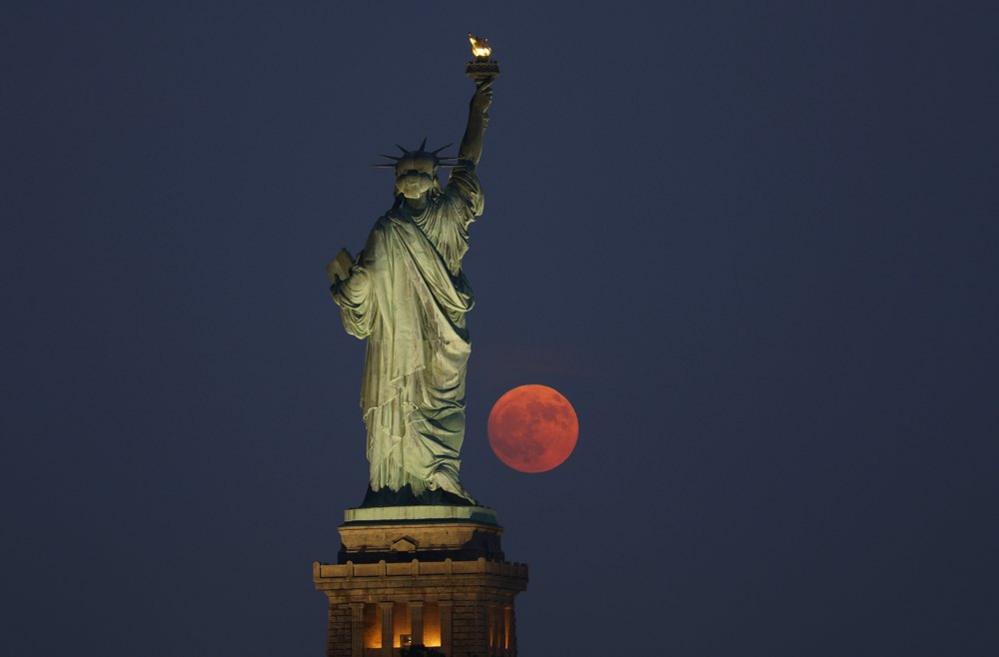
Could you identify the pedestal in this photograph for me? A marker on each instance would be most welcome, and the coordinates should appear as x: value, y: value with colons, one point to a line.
x: 434, y: 576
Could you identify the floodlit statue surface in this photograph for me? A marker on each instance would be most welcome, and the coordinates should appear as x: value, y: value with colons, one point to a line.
x: 405, y: 293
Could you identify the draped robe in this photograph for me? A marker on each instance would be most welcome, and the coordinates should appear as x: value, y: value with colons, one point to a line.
x: 407, y: 296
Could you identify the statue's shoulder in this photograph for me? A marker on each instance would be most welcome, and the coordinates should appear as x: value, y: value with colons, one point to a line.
x: 386, y: 220
x: 389, y: 223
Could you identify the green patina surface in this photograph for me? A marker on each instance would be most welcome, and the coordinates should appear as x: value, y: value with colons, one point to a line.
x: 406, y: 294
x: 422, y: 512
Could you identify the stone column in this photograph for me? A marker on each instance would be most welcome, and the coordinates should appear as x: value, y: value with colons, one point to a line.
x: 512, y: 629
x: 484, y: 620
x: 447, y: 642
x: 493, y: 629
x: 416, y: 622
x: 501, y: 629
x: 387, y: 627
x: 357, y: 629
x: 499, y: 643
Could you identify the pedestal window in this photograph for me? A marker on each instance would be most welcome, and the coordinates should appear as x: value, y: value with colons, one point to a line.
x: 372, y: 626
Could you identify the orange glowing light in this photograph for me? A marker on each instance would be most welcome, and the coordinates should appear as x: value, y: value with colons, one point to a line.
x: 533, y: 428
x: 372, y: 626
x: 480, y: 46
x: 431, y: 625
x: 400, y: 624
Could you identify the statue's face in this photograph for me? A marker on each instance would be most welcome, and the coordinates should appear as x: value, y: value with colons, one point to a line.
x: 414, y: 176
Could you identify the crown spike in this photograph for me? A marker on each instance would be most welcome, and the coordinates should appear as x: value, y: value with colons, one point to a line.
x: 391, y: 157
x: 441, y: 148
x: 423, y: 144
x: 404, y: 151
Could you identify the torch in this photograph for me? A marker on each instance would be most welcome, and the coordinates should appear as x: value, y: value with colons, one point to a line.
x: 482, y: 67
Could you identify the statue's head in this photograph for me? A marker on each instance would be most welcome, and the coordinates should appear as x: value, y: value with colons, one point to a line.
x: 416, y: 170
x: 415, y: 175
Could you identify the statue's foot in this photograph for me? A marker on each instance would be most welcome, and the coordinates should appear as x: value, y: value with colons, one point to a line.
x: 441, y: 480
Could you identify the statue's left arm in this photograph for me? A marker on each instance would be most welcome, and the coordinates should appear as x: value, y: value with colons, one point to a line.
x: 351, y: 290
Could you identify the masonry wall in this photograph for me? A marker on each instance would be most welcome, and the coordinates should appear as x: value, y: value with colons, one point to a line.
x: 338, y: 631
x: 476, y: 613
x: 469, y: 630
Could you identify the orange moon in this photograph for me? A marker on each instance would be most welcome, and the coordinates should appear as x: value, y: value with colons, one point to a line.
x: 533, y: 428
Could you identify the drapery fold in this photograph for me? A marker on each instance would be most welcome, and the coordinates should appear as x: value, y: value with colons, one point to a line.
x: 407, y: 296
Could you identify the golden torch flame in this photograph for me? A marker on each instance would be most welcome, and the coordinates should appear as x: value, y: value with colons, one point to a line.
x: 480, y: 47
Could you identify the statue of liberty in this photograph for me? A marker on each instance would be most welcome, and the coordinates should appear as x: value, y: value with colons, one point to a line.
x: 405, y: 293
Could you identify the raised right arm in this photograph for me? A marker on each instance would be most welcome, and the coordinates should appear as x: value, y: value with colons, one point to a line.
x: 478, y: 118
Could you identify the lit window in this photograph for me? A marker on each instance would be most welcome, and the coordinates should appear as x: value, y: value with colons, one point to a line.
x: 372, y: 626
x: 431, y: 625
x: 400, y: 623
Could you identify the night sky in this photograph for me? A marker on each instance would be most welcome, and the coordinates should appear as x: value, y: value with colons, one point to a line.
x: 755, y: 244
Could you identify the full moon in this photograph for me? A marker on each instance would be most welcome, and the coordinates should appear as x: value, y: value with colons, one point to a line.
x: 533, y: 428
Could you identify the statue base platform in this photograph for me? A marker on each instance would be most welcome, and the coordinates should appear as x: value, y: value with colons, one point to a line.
x: 420, y: 513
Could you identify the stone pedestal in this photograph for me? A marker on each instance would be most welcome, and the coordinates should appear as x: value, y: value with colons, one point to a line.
x: 420, y: 575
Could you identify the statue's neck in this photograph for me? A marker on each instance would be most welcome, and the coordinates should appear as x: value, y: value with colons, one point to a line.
x: 416, y: 205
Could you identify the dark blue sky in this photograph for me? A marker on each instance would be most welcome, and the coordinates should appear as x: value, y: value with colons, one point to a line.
x: 754, y: 243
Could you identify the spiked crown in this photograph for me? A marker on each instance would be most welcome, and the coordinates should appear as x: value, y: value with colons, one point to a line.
x: 420, y: 153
